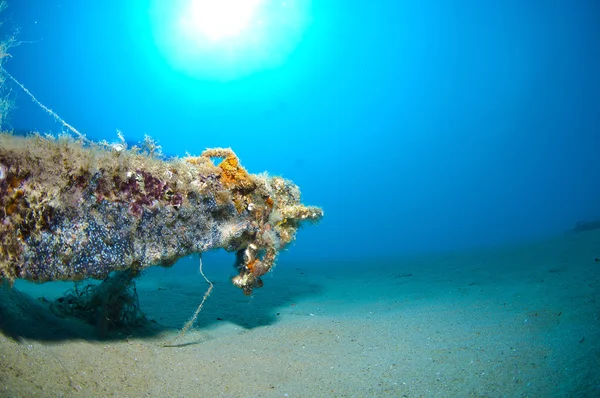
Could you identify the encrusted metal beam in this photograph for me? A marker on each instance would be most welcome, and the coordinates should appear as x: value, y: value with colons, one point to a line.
x: 71, y: 209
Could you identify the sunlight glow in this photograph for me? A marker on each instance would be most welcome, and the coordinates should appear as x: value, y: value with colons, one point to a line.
x: 225, y: 40
x: 218, y: 19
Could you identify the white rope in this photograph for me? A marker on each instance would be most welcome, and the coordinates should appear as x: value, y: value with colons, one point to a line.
x: 193, y: 318
x: 44, y: 107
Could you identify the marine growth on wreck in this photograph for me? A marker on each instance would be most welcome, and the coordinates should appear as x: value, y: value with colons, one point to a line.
x: 71, y: 209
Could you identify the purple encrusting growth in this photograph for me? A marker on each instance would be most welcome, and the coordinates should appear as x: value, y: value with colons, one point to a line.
x: 139, y: 189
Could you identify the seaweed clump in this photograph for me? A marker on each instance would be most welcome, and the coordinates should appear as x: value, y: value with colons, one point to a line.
x: 110, y: 306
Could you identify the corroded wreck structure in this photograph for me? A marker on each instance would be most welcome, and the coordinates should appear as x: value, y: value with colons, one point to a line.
x: 71, y: 209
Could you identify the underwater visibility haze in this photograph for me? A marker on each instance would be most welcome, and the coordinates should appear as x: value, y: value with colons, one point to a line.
x: 436, y: 227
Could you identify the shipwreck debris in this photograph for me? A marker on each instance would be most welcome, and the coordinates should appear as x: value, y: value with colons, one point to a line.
x: 71, y: 209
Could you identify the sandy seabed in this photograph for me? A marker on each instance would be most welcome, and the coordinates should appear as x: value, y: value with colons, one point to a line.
x: 506, y: 322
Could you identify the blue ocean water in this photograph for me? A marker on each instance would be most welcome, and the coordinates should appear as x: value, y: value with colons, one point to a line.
x: 419, y: 126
